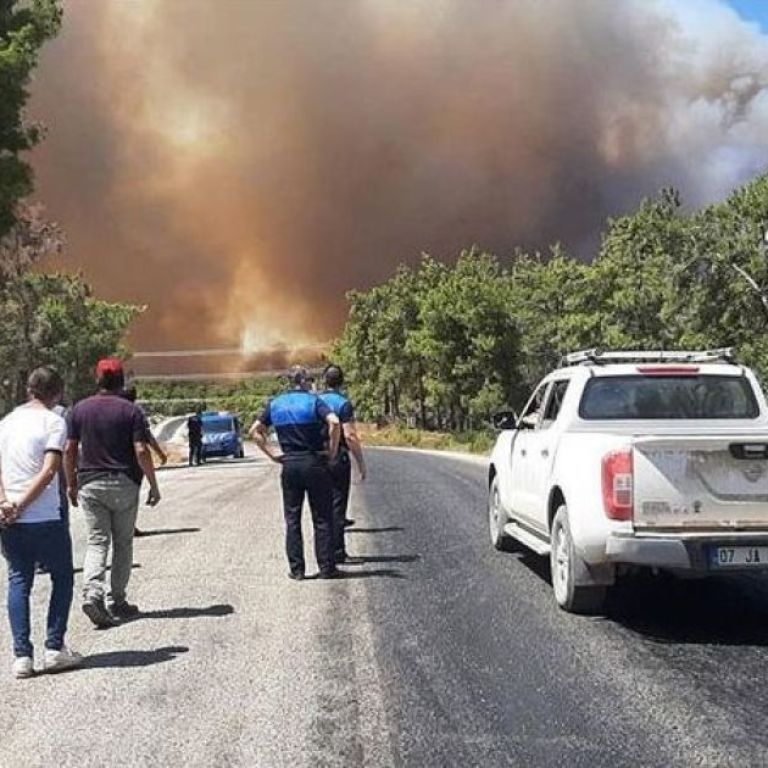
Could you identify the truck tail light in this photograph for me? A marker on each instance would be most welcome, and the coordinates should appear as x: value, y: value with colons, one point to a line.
x: 618, y: 484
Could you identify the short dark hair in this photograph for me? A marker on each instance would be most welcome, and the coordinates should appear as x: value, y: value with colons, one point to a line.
x: 298, y: 375
x: 45, y: 383
x: 334, y: 376
x: 112, y: 381
x: 129, y: 393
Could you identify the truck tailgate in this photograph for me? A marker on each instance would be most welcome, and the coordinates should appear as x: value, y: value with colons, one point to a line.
x: 701, y: 483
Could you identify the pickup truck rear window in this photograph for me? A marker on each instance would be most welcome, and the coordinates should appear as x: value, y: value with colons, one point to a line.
x: 668, y: 397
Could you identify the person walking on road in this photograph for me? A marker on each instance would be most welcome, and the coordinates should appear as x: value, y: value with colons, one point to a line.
x: 105, y: 459
x: 302, y: 420
x: 32, y: 439
x: 341, y: 469
x: 195, y: 432
x: 130, y: 394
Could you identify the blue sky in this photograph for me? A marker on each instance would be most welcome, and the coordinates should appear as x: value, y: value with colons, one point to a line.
x: 754, y: 10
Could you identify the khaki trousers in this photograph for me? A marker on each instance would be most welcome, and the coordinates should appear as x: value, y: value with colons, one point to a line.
x: 110, y: 505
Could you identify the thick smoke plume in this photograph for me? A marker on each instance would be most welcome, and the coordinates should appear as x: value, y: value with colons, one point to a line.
x: 239, y: 165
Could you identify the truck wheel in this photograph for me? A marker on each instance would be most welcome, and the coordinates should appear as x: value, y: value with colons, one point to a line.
x: 497, y: 519
x: 584, y: 599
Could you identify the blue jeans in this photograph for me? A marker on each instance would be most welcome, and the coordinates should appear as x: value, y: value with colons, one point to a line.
x: 25, y: 544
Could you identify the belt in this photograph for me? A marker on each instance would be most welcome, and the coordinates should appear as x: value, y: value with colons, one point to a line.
x: 305, y: 455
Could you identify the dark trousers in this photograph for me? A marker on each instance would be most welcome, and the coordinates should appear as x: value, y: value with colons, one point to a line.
x: 341, y: 475
x: 195, y: 453
x: 308, y: 475
x: 25, y: 544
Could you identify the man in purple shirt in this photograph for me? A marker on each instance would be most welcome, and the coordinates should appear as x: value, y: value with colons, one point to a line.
x: 105, y: 459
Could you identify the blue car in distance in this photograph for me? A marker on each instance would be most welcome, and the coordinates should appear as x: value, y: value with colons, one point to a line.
x: 221, y: 435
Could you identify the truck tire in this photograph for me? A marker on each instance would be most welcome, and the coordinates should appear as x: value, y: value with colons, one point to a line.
x: 497, y: 519
x: 584, y: 599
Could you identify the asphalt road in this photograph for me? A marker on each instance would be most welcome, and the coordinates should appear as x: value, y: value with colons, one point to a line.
x: 434, y: 651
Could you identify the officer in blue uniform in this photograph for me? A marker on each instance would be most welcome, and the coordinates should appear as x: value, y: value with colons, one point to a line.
x: 302, y: 421
x: 341, y: 470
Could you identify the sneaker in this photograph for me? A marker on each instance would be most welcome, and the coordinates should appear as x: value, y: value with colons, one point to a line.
x: 97, y: 612
x: 58, y: 661
x: 123, y: 610
x: 298, y: 576
x: 23, y: 667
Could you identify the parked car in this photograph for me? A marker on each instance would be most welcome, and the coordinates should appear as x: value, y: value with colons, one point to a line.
x: 221, y: 435
x: 635, y: 459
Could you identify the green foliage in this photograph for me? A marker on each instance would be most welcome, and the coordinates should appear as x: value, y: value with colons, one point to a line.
x: 44, y: 319
x: 54, y: 320
x: 24, y: 27
x: 443, y: 347
x: 437, y: 345
x: 245, y: 398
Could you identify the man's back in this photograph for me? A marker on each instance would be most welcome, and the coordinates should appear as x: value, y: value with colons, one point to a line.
x: 342, y: 406
x: 26, y: 435
x: 107, y: 427
x: 195, y: 428
x: 299, y: 420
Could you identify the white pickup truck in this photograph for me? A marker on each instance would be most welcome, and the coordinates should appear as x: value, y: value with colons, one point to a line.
x: 625, y: 459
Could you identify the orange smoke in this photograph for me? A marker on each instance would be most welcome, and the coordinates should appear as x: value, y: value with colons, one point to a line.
x: 239, y: 165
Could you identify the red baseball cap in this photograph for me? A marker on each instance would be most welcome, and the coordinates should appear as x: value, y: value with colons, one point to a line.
x: 109, y: 365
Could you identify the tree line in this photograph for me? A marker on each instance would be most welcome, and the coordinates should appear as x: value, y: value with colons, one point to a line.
x: 444, y: 346
x: 44, y: 318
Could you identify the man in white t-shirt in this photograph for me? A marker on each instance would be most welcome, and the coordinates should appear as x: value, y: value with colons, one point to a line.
x: 32, y: 439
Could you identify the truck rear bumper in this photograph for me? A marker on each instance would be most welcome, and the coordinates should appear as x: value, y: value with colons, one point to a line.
x: 689, y: 554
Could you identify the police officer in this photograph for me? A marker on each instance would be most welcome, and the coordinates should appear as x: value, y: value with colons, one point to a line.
x: 341, y: 470
x: 195, y: 433
x: 302, y: 420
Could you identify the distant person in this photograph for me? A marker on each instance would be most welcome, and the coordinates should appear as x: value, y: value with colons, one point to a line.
x: 107, y: 455
x: 341, y: 469
x: 130, y: 394
x: 32, y: 439
x: 195, y: 432
x: 301, y: 421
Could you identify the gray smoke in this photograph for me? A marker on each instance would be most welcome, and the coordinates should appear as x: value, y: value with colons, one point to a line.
x: 239, y: 165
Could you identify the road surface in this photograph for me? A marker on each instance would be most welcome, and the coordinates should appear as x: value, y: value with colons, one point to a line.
x: 435, y: 651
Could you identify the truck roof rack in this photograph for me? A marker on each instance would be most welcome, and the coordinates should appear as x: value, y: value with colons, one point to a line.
x: 599, y: 357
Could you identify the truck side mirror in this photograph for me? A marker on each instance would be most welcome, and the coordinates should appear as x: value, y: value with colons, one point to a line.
x: 505, y: 420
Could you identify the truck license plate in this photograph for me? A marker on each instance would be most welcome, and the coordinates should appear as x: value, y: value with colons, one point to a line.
x: 741, y: 557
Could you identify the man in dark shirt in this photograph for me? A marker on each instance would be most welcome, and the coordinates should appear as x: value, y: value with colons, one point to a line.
x: 341, y: 469
x: 195, y: 432
x: 105, y: 459
x: 301, y: 420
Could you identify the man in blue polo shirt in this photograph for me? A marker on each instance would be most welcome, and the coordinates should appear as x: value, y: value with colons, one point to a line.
x: 301, y: 421
x: 341, y: 470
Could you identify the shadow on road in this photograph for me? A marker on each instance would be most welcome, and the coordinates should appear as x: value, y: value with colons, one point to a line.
x: 724, y: 610
x: 165, y: 531
x: 376, y: 530
x: 186, y: 613
x: 362, y: 559
x: 133, y: 566
x: 389, y: 573
x: 712, y: 611
x: 133, y: 658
